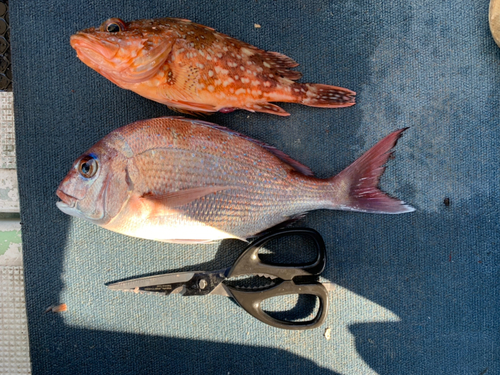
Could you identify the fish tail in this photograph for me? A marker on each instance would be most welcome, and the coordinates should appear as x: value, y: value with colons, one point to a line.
x: 324, y: 96
x: 356, y: 187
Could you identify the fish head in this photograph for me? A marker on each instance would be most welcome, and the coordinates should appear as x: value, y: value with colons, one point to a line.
x: 97, y: 186
x: 125, y: 53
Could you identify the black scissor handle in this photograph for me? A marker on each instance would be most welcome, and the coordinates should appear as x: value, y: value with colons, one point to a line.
x: 249, y: 261
x: 251, y: 301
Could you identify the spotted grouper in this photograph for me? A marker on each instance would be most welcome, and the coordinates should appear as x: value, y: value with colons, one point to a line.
x: 193, y: 68
x: 188, y: 181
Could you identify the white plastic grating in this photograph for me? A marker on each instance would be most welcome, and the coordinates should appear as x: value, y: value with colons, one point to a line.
x: 7, y: 136
x: 14, y: 345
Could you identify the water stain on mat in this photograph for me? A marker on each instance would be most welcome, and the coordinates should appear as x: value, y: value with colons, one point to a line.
x: 434, y: 154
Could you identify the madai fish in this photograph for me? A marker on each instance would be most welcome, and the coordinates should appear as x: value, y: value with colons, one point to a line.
x: 193, y: 68
x: 187, y: 181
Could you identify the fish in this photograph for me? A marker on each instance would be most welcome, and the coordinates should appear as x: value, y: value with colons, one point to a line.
x: 194, y: 69
x: 183, y: 180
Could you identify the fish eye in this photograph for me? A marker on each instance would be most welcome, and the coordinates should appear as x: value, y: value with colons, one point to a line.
x: 113, y: 28
x: 113, y: 25
x: 87, y: 166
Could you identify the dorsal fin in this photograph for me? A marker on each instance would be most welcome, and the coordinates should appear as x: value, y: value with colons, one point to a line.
x: 273, y: 150
x: 280, y: 60
x: 282, y: 64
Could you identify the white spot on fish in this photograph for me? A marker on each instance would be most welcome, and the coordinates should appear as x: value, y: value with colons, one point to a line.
x: 240, y: 91
x: 266, y: 65
x: 227, y: 82
x: 211, y: 88
x: 210, y: 73
x: 245, y: 80
x: 246, y: 51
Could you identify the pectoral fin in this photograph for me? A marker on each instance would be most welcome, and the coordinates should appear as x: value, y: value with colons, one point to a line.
x: 193, y: 109
x: 183, y: 197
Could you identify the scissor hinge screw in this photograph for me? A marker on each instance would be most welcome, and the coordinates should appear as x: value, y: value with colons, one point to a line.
x: 202, y: 284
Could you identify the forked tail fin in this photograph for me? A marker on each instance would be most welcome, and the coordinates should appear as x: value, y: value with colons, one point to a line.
x: 357, y: 186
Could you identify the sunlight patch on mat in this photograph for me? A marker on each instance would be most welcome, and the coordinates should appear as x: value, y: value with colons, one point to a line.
x: 91, y: 305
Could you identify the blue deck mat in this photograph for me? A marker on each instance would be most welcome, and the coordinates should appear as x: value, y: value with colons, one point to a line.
x: 418, y: 293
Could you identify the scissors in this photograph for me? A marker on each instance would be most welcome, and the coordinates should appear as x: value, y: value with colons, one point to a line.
x: 286, y: 280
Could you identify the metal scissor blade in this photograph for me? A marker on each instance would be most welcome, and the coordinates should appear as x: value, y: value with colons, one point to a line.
x: 170, y: 278
x: 220, y: 290
x: 186, y: 283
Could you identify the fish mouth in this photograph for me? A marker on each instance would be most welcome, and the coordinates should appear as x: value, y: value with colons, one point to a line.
x: 92, y: 49
x: 66, y: 199
x: 67, y: 204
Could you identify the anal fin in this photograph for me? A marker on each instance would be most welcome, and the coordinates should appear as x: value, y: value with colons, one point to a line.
x: 266, y: 108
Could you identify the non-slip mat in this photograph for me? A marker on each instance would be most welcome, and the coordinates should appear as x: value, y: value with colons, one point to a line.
x: 418, y: 293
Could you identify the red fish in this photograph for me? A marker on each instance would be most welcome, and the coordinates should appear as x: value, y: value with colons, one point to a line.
x: 193, y: 68
x: 188, y: 181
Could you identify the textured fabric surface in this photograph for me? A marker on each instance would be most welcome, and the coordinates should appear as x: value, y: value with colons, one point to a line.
x: 418, y: 293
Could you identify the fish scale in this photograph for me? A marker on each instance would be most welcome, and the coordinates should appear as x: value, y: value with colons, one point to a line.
x: 187, y: 172
x: 181, y: 180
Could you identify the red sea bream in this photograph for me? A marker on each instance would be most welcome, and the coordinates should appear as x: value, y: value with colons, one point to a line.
x: 179, y: 180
